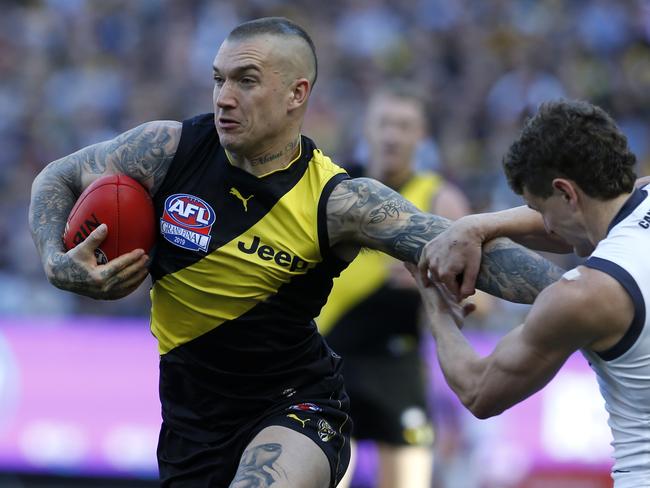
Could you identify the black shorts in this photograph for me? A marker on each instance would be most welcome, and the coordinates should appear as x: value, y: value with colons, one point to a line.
x: 184, y: 463
x: 388, y: 398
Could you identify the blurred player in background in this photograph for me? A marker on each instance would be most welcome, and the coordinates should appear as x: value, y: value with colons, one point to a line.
x: 251, y: 394
x: 575, y: 171
x: 371, y: 316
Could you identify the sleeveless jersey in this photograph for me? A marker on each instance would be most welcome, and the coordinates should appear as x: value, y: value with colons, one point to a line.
x: 241, y: 268
x: 623, y: 371
x: 364, y: 313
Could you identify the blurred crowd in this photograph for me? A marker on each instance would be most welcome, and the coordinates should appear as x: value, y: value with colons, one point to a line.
x: 74, y: 72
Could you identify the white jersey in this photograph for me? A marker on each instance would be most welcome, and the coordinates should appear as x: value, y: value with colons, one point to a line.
x: 624, y: 370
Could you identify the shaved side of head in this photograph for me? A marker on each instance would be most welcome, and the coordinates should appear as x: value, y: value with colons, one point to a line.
x: 301, y: 52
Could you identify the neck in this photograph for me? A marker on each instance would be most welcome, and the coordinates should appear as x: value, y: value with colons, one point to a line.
x: 601, y: 217
x: 393, y: 179
x: 273, y: 158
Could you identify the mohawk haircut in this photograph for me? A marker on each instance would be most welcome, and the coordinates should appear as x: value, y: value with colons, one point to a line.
x: 278, y: 26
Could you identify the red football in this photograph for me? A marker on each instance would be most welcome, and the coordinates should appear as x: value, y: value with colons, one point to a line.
x: 121, y: 203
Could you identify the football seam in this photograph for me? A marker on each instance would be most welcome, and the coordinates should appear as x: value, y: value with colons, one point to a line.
x: 77, y: 205
x: 118, y: 249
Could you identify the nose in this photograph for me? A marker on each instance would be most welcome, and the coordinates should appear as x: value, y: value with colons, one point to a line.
x: 390, y: 132
x: 224, y: 95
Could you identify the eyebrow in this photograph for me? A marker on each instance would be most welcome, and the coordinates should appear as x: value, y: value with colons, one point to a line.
x: 239, y: 69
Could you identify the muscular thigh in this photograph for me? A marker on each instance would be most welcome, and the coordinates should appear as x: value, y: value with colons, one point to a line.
x: 279, y: 457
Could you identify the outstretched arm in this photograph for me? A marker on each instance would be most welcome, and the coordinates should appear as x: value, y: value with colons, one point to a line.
x: 593, y: 311
x: 454, y: 257
x: 144, y: 153
x: 364, y: 212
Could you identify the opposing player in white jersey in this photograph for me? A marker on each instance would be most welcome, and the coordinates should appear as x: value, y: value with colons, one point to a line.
x: 573, y: 167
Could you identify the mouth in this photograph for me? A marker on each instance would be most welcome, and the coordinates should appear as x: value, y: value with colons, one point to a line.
x: 227, y: 123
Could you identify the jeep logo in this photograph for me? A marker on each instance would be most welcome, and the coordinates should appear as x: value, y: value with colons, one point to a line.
x: 267, y: 253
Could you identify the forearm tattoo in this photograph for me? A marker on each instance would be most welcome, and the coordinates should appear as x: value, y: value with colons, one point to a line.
x: 143, y: 153
x: 258, y: 467
x: 365, y: 211
x: 513, y: 272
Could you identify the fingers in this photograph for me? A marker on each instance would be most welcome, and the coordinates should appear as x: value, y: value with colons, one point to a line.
x: 129, y: 285
x: 421, y: 272
x: 453, y: 308
x: 94, y: 239
x: 84, y: 252
x: 427, y: 270
x: 468, y: 308
x: 125, y: 280
x: 129, y: 265
x: 450, y: 280
x: 116, y: 265
x: 469, y: 277
x: 77, y: 270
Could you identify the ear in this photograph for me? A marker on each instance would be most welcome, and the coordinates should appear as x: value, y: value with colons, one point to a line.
x: 299, y: 93
x: 566, y: 188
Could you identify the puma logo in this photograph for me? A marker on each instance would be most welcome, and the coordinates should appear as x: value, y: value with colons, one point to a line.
x: 244, y: 201
x: 295, y: 417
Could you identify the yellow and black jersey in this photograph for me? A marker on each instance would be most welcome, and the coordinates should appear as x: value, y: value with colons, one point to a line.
x: 241, y: 268
x: 365, y: 314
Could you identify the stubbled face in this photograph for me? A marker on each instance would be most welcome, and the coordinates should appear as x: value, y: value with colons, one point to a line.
x: 250, y: 94
x: 562, y: 220
x: 394, y: 128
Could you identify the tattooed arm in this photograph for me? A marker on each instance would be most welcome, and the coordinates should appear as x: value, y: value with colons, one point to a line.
x: 366, y: 213
x: 144, y: 153
x: 454, y: 257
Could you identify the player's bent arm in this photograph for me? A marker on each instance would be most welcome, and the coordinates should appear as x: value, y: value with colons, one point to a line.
x: 564, y: 318
x: 365, y: 212
x: 144, y: 153
x: 457, y: 252
x: 521, y: 224
x: 448, y: 202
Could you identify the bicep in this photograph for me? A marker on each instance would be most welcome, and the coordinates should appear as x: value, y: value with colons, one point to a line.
x: 527, y: 358
x: 143, y: 153
x: 516, y: 369
x: 365, y: 212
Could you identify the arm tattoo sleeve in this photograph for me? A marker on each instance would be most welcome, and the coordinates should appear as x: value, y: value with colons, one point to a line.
x: 143, y: 153
x: 366, y: 212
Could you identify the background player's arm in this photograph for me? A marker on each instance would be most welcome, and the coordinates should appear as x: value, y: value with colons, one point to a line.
x: 364, y: 212
x: 566, y: 317
x: 144, y: 153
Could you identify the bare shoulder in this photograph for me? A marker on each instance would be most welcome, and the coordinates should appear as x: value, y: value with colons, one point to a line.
x: 450, y: 202
x: 643, y: 181
x: 589, y: 309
